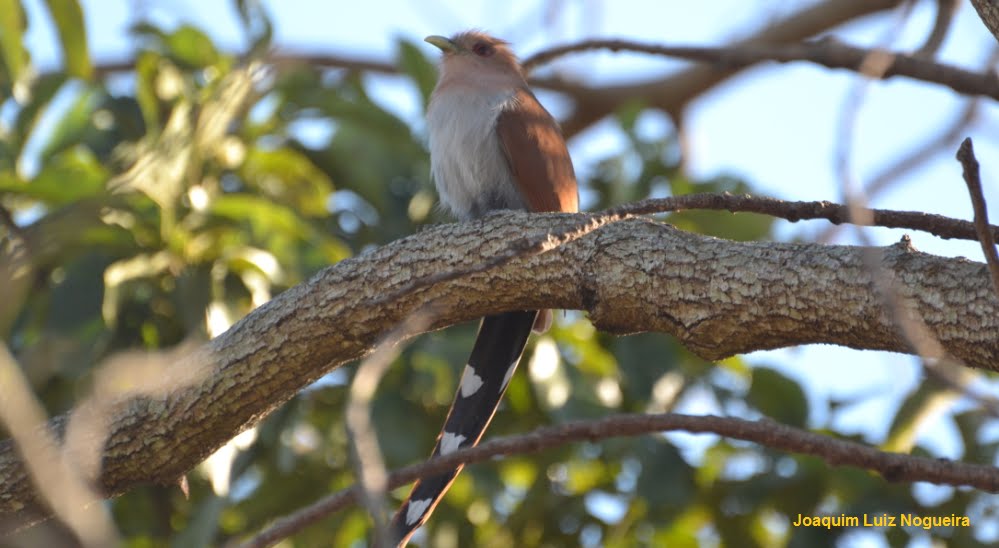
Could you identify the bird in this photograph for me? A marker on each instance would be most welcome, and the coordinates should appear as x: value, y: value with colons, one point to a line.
x: 493, y: 146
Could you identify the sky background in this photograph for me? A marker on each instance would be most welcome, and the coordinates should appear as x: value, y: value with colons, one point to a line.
x: 775, y: 126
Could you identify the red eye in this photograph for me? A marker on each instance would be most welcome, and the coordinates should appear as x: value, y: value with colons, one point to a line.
x: 482, y: 49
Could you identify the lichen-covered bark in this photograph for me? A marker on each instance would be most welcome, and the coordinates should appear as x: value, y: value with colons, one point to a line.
x: 718, y: 297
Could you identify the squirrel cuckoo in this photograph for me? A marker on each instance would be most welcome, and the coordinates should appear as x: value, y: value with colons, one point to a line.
x: 492, y: 146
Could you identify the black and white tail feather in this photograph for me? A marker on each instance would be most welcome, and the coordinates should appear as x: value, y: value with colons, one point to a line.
x: 497, y: 351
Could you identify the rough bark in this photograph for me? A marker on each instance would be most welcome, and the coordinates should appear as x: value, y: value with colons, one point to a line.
x: 988, y: 11
x: 718, y: 297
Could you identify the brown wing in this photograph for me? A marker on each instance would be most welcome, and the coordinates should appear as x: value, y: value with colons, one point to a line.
x: 537, y: 155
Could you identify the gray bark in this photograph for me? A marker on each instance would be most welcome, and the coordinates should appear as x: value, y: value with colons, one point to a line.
x: 718, y: 297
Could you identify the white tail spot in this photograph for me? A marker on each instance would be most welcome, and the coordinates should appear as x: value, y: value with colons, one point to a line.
x: 470, y: 382
x: 509, y: 373
x: 450, y: 442
x: 416, y: 510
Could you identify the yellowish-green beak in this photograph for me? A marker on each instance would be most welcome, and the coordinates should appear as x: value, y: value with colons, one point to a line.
x: 445, y: 44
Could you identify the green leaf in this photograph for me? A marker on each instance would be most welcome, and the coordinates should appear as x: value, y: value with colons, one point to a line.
x: 583, y: 476
x: 666, y: 479
x: 146, y: 66
x: 273, y: 222
x: 923, y: 406
x: 12, y: 52
x: 148, y: 31
x: 262, y: 215
x: 72, y: 175
x: 119, y: 273
x: 257, y: 24
x: 8, y: 156
x: 42, y: 92
x: 68, y: 18
x: 413, y: 63
x: 290, y: 178
x: 627, y: 115
x: 740, y: 227
x: 590, y: 356
x: 191, y: 48
x: 778, y: 397
x: 71, y: 127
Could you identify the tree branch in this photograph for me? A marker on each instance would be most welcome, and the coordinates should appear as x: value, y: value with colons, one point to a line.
x: 670, y: 93
x: 938, y: 225
x: 988, y: 11
x: 916, y: 157
x: 946, y: 10
x: 718, y: 297
x: 836, y: 452
x: 827, y: 52
x: 778, y: 42
x: 972, y: 177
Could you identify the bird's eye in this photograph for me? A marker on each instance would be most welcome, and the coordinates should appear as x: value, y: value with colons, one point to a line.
x: 482, y: 49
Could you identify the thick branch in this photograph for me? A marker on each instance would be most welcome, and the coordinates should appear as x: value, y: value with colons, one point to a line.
x: 718, y: 297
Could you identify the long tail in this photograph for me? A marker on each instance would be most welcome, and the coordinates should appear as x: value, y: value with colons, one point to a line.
x: 494, y: 358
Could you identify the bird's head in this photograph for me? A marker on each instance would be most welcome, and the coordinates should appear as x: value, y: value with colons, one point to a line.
x: 476, y: 55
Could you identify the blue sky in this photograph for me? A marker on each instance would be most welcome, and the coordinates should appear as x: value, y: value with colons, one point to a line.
x: 775, y: 126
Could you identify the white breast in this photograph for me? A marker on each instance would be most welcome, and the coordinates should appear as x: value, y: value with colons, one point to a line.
x: 469, y: 168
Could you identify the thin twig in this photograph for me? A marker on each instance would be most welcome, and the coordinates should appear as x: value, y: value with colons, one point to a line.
x: 915, y: 158
x: 970, y: 172
x: 948, y: 370
x: 938, y: 225
x: 921, y: 154
x: 932, y: 356
x: 893, y: 467
x: 58, y: 480
x: 946, y: 9
x: 873, y: 66
x: 281, y: 58
x: 368, y: 463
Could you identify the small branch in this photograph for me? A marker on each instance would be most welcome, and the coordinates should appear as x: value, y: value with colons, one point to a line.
x: 826, y: 52
x: 54, y: 473
x: 946, y: 9
x: 369, y: 466
x: 893, y: 467
x: 921, y: 154
x: 970, y: 172
x: 281, y: 59
x: 934, y: 359
x: 938, y: 225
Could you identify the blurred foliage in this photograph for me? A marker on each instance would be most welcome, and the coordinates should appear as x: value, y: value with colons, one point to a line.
x: 160, y: 205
